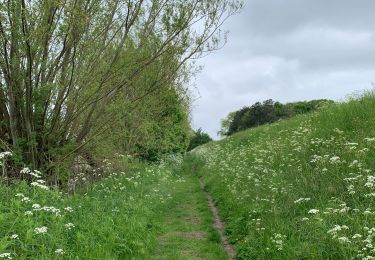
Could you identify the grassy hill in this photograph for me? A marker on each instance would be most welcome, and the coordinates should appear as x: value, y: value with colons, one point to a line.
x: 302, y: 188
x: 148, y: 212
x: 115, y: 218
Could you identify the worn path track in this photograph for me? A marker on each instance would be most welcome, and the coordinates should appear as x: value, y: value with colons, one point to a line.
x: 191, y: 229
x: 218, y: 224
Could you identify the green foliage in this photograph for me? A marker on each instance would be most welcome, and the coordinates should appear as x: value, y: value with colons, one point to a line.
x: 300, y: 188
x: 79, y: 73
x: 266, y: 112
x: 199, y: 138
x: 116, y: 218
x: 225, y: 124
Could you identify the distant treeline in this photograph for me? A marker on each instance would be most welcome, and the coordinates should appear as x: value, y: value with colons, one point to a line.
x: 265, y: 112
x: 199, y: 137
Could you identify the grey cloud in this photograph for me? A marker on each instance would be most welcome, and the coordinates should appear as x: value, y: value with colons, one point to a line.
x: 288, y: 50
x: 282, y: 16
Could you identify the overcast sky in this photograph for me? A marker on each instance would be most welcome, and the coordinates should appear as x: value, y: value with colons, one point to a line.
x: 288, y: 50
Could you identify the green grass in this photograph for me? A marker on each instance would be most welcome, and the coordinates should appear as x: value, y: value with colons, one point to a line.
x: 114, y: 219
x: 187, y: 228
x: 149, y: 212
x: 301, y: 188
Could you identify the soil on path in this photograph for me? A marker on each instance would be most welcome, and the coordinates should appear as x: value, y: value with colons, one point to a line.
x: 218, y: 224
x: 190, y: 229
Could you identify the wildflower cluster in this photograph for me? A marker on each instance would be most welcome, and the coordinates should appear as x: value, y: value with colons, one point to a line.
x: 303, y: 176
x: 65, y: 226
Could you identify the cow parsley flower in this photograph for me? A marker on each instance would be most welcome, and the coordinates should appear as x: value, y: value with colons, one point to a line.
x: 41, y: 230
x: 344, y: 240
x: 25, y: 170
x: 25, y: 199
x: 36, y: 207
x: 6, y: 255
x: 37, y: 184
x: 368, y: 139
x: 334, y: 159
x: 300, y: 200
x: 69, y: 209
x: 28, y: 213
x: 277, y: 239
x: 69, y: 226
x: 313, y: 211
x: 14, y: 236
x: 5, y: 154
x: 34, y: 174
x: 59, y: 251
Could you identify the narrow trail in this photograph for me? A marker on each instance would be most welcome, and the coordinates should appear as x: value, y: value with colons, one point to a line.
x: 218, y: 224
x: 191, y: 228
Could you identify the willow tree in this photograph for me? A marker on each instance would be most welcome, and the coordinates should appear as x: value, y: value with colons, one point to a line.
x: 64, y: 62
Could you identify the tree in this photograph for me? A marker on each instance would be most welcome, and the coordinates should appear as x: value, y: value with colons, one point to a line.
x: 225, y: 124
x: 199, y: 138
x: 65, y: 65
x: 267, y: 112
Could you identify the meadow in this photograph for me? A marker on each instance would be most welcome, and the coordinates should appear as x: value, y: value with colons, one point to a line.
x: 302, y: 188
x: 151, y: 211
x: 115, y: 218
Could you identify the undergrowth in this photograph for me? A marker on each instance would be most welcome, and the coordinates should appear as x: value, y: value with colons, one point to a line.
x: 115, y: 218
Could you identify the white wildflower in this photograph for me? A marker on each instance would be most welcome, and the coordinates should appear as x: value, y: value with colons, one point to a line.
x: 36, y: 184
x: 313, y: 211
x: 59, y: 251
x: 25, y: 199
x: 36, y: 207
x: 14, y: 236
x: 34, y: 174
x: 335, y: 159
x: 69, y: 226
x: 69, y: 209
x: 300, y: 200
x: 4, y: 155
x: 277, y: 239
x: 344, y: 240
x: 368, y: 139
x: 52, y: 209
x: 28, y: 213
x: 25, y: 170
x: 370, y: 182
x: 41, y: 230
x: 334, y: 230
x: 6, y: 255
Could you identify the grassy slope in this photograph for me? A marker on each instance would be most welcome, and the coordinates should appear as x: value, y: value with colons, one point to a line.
x: 152, y: 212
x: 301, y: 188
x: 116, y: 219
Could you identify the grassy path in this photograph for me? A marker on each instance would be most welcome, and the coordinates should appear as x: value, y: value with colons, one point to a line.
x: 187, y: 230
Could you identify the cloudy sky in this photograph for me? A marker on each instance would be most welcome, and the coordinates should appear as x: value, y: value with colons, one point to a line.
x: 288, y: 50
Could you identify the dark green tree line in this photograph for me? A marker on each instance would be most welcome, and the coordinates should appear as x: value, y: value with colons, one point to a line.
x: 265, y: 112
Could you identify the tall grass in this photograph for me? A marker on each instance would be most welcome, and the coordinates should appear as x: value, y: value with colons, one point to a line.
x: 114, y: 219
x: 303, y: 188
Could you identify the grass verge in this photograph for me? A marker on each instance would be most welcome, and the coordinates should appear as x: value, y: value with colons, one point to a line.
x: 302, y: 188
